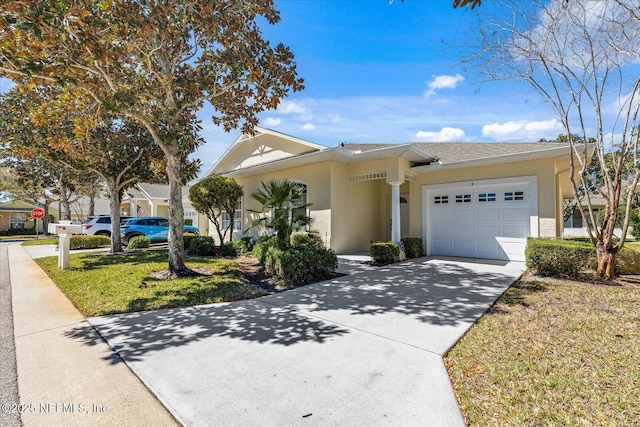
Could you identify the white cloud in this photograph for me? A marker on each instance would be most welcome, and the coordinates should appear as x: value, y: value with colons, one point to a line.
x: 443, y: 82
x: 523, y: 130
x: 446, y: 134
x: 272, y: 121
x: 290, y: 107
x: 308, y: 126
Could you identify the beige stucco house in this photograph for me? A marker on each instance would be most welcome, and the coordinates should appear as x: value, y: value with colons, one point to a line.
x: 463, y: 199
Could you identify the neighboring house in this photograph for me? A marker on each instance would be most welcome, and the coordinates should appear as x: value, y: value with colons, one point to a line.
x: 574, y: 226
x: 464, y: 199
x: 146, y: 199
x: 16, y: 215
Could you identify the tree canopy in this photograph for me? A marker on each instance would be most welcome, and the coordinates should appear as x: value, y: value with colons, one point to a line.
x: 581, y: 57
x: 157, y: 63
x: 215, y: 196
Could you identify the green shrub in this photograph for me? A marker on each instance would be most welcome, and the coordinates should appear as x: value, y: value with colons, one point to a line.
x: 566, y: 258
x: 627, y: 261
x: 306, y: 239
x: 187, y: 238
x: 138, y: 242
x: 202, y: 246
x: 18, y: 231
x: 634, y: 223
x: 558, y: 258
x: 241, y: 246
x: 413, y: 247
x: 384, y: 252
x: 262, y: 246
x: 305, y: 261
x: 85, y: 241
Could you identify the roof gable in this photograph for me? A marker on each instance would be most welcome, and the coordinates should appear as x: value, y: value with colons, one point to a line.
x: 265, y: 146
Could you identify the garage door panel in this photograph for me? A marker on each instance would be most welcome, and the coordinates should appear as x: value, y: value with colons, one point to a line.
x: 488, y: 248
x: 515, y: 230
x: 441, y: 214
x: 443, y: 231
x: 442, y: 247
x: 517, y: 213
x: 488, y: 230
x: 494, y: 224
x: 488, y: 214
x: 463, y: 214
x: 464, y: 247
x: 463, y: 231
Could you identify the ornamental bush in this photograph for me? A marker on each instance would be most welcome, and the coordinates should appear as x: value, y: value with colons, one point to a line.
x: 558, y: 258
x: 202, y: 246
x: 85, y: 241
x: 263, y: 245
x: 305, y: 261
x: 138, y: 242
x: 240, y: 247
x: 413, y: 247
x: 384, y: 252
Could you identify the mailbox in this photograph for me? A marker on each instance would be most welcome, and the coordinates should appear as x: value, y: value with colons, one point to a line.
x: 65, y: 229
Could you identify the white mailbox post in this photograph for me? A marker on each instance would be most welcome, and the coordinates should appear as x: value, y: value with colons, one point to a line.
x: 65, y: 229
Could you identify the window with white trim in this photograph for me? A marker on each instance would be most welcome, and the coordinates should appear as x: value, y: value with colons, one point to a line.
x: 237, y: 218
x: 18, y: 221
x: 301, y: 209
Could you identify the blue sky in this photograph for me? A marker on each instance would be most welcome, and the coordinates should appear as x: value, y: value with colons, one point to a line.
x: 381, y: 72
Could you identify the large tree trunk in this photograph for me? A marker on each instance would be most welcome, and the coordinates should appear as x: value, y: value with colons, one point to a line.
x: 606, y: 261
x: 92, y: 199
x: 176, y: 216
x: 64, y: 198
x: 114, y: 208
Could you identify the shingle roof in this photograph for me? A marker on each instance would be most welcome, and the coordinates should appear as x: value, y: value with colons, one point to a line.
x: 453, y: 152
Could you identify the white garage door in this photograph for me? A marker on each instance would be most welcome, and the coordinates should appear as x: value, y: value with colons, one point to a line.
x: 480, y: 221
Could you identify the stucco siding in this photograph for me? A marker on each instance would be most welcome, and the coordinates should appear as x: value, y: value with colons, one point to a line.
x: 317, y: 177
x: 355, y: 211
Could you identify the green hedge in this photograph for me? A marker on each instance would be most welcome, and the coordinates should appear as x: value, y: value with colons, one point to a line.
x: 202, y: 246
x: 384, y: 252
x: 138, y: 242
x: 567, y: 258
x: 305, y: 261
x: 85, y: 241
x: 413, y: 247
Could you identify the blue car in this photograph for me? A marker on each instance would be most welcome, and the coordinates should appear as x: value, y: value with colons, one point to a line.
x: 156, y: 228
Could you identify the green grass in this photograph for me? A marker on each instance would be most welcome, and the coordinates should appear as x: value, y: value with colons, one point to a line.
x: 552, y: 355
x: 107, y: 284
x: 41, y: 241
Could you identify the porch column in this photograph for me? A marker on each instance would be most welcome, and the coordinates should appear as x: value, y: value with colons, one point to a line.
x: 395, y: 211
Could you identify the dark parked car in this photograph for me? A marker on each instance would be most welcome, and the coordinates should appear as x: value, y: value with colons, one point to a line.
x: 156, y: 228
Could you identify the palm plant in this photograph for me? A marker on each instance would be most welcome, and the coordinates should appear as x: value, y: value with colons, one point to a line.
x: 286, y: 204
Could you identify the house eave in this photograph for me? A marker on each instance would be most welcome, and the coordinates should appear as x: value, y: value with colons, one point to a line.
x: 508, y: 158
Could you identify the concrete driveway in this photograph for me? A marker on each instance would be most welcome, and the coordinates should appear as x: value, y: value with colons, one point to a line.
x: 363, y: 349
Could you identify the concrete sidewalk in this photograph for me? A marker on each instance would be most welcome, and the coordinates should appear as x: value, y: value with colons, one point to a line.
x: 64, y: 381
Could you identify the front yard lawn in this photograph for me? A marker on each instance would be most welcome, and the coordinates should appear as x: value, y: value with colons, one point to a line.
x: 100, y: 284
x: 552, y: 353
